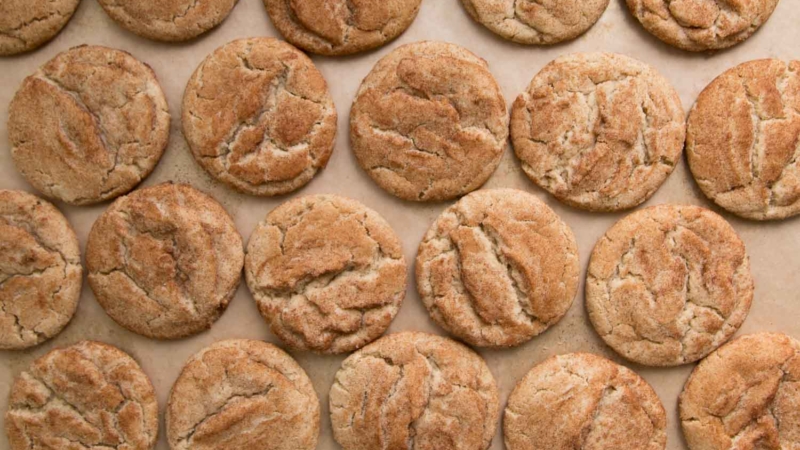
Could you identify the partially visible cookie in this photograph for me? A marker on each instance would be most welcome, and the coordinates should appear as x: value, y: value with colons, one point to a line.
x: 599, y: 131
x: 583, y: 401
x: 414, y: 390
x: 242, y: 394
x: 28, y: 24
x: 89, y: 125
x: 164, y: 261
x: 327, y: 272
x: 258, y: 116
x: 40, y: 270
x: 341, y: 27
x: 742, y: 140
x: 87, y: 395
x: 497, y: 268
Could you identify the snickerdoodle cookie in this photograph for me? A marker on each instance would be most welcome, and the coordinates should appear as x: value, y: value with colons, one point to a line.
x: 327, y: 273
x: 599, y: 131
x: 89, y: 125
x: 583, y: 401
x: 414, y: 390
x: 168, y: 20
x: 164, y: 261
x: 497, y: 268
x: 29, y: 24
x: 258, y: 116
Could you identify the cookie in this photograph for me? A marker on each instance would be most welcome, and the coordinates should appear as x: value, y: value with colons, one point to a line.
x: 414, y: 390
x: 164, y: 261
x: 87, y: 395
x: 258, y: 116
x: 429, y: 122
x: 497, y: 268
x: 700, y: 25
x: 599, y: 131
x: 327, y: 273
x: 536, y: 23
x: 744, y: 396
x: 89, y: 125
x: 40, y: 271
x: 168, y: 20
x: 667, y: 285
x: 242, y: 394
x: 28, y: 24
x: 742, y: 140
x: 341, y: 27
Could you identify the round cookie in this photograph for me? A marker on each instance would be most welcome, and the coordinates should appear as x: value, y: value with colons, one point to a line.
x: 700, y: 25
x: 497, y: 268
x: 744, y: 396
x: 429, y: 122
x: 164, y: 261
x: 242, y: 394
x: 667, y: 285
x: 742, y: 140
x: 40, y: 270
x: 414, y: 390
x: 599, y: 131
x: 258, y: 116
x: 89, y: 125
x: 327, y: 273
x: 28, y: 24
x: 168, y: 20
x: 87, y: 395
x: 341, y: 27
x: 536, y: 23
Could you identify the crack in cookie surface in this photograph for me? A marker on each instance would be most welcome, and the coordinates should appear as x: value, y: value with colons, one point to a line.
x: 168, y: 20
x: 27, y: 24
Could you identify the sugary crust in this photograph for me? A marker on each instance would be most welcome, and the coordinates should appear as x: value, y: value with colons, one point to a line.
x: 667, y: 285
x: 164, y: 261
x: 28, y: 24
x: 497, y: 268
x: 258, y: 116
x: 414, y: 390
x: 242, y: 394
x: 89, y: 125
x: 582, y: 401
x: 168, y: 20
x: 429, y: 122
x: 743, y: 140
x: 599, y: 131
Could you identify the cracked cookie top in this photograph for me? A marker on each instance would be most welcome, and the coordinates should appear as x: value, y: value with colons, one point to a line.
x: 88, y: 395
x: 599, y: 131
x: 40, y: 270
x: 242, y: 394
x: 744, y: 396
x: 414, y: 391
x: 700, y: 25
x: 258, y: 116
x: 537, y: 22
x: 743, y: 140
x: 669, y: 284
x: 429, y: 122
x: 497, y: 268
x: 327, y: 273
x: 341, y: 27
x: 164, y: 261
x: 89, y: 125
x: 29, y: 24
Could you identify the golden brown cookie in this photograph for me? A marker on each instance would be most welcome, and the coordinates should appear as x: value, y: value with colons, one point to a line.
x: 429, y: 122
x: 242, y: 394
x: 258, y: 116
x: 599, y: 131
x: 164, y: 261
x: 744, y: 396
x: 327, y: 273
x: 497, y: 268
x: 341, y: 27
x: 88, y: 395
x: 89, y: 125
x: 743, y: 137
x: 40, y: 270
x: 667, y: 285
x: 583, y: 401
x: 28, y: 24
x: 414, y: 390
x: 168, y: 20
